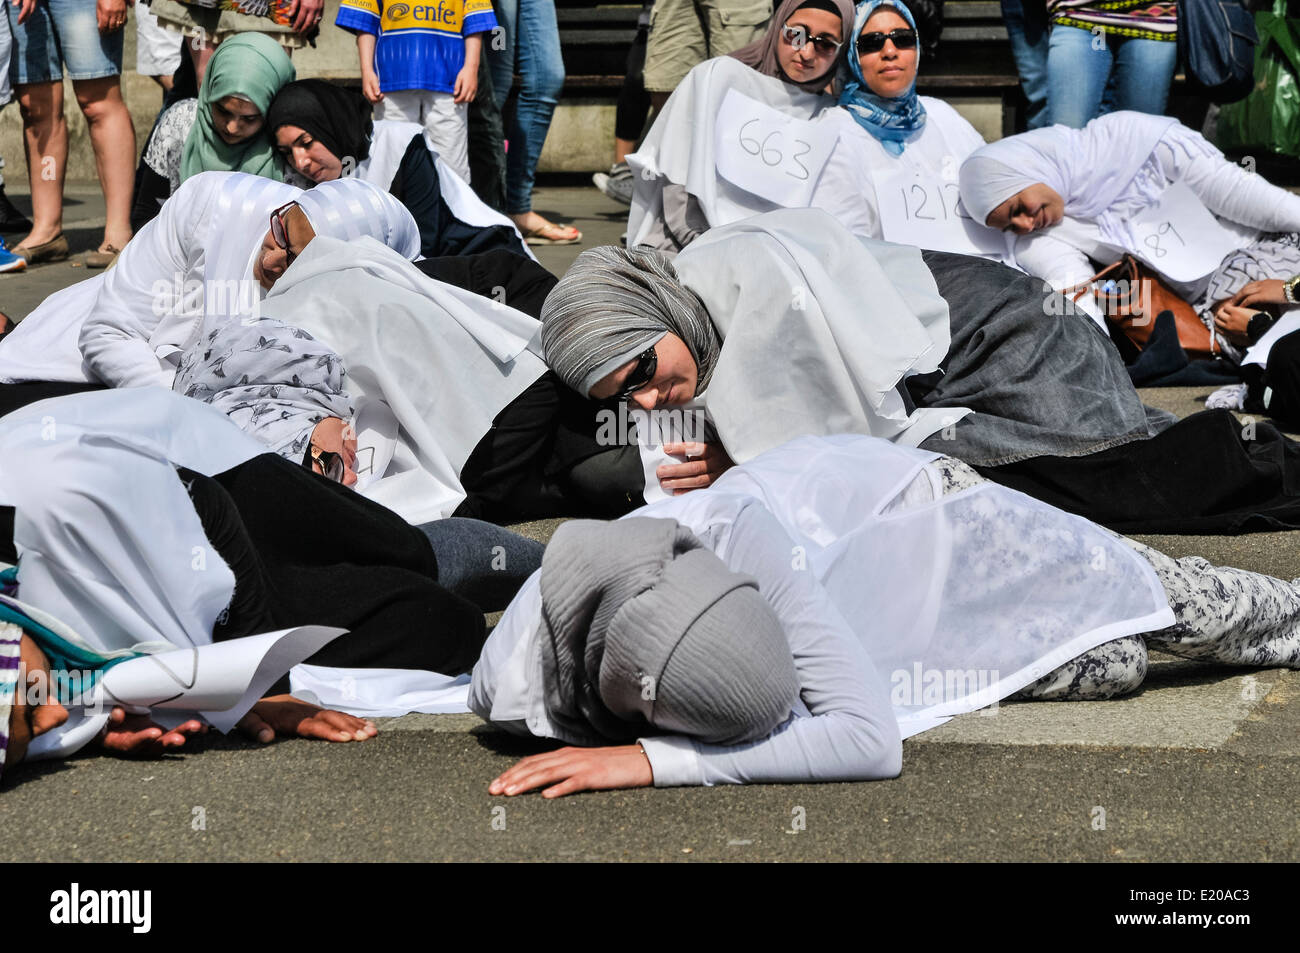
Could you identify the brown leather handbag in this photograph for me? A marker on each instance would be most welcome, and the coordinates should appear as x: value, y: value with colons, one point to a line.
x: 1131, y: 295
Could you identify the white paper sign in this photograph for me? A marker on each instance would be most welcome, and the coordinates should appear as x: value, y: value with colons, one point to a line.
x: 221, y: 680
x: 1180, y: 238
x: 925, y: 210
x: 769, y: 154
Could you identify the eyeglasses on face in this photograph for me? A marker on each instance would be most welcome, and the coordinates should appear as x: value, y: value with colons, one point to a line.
x: 280, y: 232
x: 330, y: 463
x: 798, y: 37
x: 875, y: 42
x: 647, y: 363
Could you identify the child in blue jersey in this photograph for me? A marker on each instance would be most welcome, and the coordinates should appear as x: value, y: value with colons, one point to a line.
x: 419, y: 63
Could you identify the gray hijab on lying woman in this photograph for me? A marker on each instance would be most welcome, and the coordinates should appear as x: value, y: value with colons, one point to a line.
x: 796, y: 327
x: 622, y: 301
x: 645, y: 631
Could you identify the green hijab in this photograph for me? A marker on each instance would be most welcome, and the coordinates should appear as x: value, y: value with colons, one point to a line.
x: 251, y: 66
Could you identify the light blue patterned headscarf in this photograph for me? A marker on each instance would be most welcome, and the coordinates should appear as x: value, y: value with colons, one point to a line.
x: 892, y: 121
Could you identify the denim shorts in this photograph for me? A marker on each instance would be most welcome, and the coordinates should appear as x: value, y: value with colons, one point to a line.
x: 62, y: 33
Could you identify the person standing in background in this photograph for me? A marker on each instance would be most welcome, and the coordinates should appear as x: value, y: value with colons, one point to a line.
x: 1026, y: 22
x: 685, y: 33
x: 11, y: 220
x: 532, y: 45
x: 157, y: 50
x: 629, y: 120
x: 85, y: 36
x: 1131, y: 43
x: 422, y: 70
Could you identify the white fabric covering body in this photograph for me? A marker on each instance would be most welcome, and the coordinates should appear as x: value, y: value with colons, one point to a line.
x: 879, y: 582
x: 1155, y: 153
x: 852, y: 316
x: 391, y: 139
x: 679, y: 149
x: 130, y: 571
x: 443, y: 360
x: 195, y: 257
x: 853, y: 176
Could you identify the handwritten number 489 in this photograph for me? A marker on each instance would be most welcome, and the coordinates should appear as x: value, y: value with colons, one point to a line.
x: 771, y: 154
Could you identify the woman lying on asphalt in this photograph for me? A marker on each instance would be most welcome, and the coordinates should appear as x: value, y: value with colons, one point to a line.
x: 956, y: 354
x: 141, y: 521
x: 825, y: 600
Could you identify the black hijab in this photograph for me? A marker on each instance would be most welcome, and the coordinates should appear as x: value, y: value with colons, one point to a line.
x: 339, y: 118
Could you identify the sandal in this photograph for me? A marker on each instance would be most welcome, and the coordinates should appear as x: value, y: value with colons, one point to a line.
x: 552, y: 234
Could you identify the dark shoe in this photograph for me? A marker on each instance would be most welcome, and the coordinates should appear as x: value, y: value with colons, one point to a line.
x: 56, y: 249
x: 12, y: 220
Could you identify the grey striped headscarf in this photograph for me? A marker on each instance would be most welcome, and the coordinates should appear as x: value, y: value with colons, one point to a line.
x: 611, y: 305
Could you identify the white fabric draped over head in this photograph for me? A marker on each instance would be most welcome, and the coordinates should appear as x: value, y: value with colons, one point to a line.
x: 349, y: 208
x: 1089, y: 167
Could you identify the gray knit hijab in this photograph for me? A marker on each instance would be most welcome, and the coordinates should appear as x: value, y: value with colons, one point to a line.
x: 646, y: 631
x: 611, y: 305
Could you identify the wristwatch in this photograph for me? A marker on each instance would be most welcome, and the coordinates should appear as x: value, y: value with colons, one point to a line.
x: 1289, y: 288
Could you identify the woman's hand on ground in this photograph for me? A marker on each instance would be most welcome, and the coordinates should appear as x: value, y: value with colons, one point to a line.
x: 286, y: 715
x: 1233, y: 322
x: 1259, y: 292
x: 110, y: 15
x: 706, y: 462
x: 570, y: 770
x: 137, y: 735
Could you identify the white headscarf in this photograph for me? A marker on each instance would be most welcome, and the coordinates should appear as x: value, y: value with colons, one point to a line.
x: 348, y: 208
x: 1090, y: 167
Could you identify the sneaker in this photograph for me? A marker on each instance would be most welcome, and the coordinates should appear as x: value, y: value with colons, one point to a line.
x: 8, y: 260
x: 617, y: 183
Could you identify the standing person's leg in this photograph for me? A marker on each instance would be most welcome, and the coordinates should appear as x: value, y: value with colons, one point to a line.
x: 1026, y: 22
x: 1078, y: 64
x: 93, y: 58
x: 37, y: 75
x: 487, y: 139
x: 541, y: 71
x: 732, y: 24
x: 1143, y: 71
x: 677, y: 42
x: 447, y: 124
x: 502, y: 54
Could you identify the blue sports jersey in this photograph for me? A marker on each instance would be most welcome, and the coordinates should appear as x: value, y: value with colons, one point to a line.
x: 420, y: 45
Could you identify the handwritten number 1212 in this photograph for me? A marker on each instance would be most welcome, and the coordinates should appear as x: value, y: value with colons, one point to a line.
x: 772, y: 155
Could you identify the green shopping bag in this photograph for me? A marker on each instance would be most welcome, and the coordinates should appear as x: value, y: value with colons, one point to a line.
x: 1268, y: 119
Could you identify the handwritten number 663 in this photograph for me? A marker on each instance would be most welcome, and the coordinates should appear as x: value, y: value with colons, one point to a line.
x: 772, y: 155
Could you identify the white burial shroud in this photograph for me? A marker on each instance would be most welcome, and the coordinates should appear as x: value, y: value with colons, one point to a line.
x: 984, y: 582
x: 681, y: 147
x: 194, y: 260
x: 443, y: 360
x: 818, y: 327
x: 129, y: 572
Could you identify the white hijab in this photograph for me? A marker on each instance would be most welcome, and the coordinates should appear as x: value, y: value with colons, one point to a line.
x: 1090, y: 167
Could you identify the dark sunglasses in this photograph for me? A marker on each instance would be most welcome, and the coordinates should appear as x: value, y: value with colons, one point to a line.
x: 330, y: 463
x: 280, y: 232
x: 797, y: 36
x: 875, y: 42
x: 646, y: 365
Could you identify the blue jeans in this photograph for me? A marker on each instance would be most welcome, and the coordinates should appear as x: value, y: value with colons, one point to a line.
x: 1077, y: 74
x: 532, y: 43
x: 1026, y: 22
x: 62, y: 33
